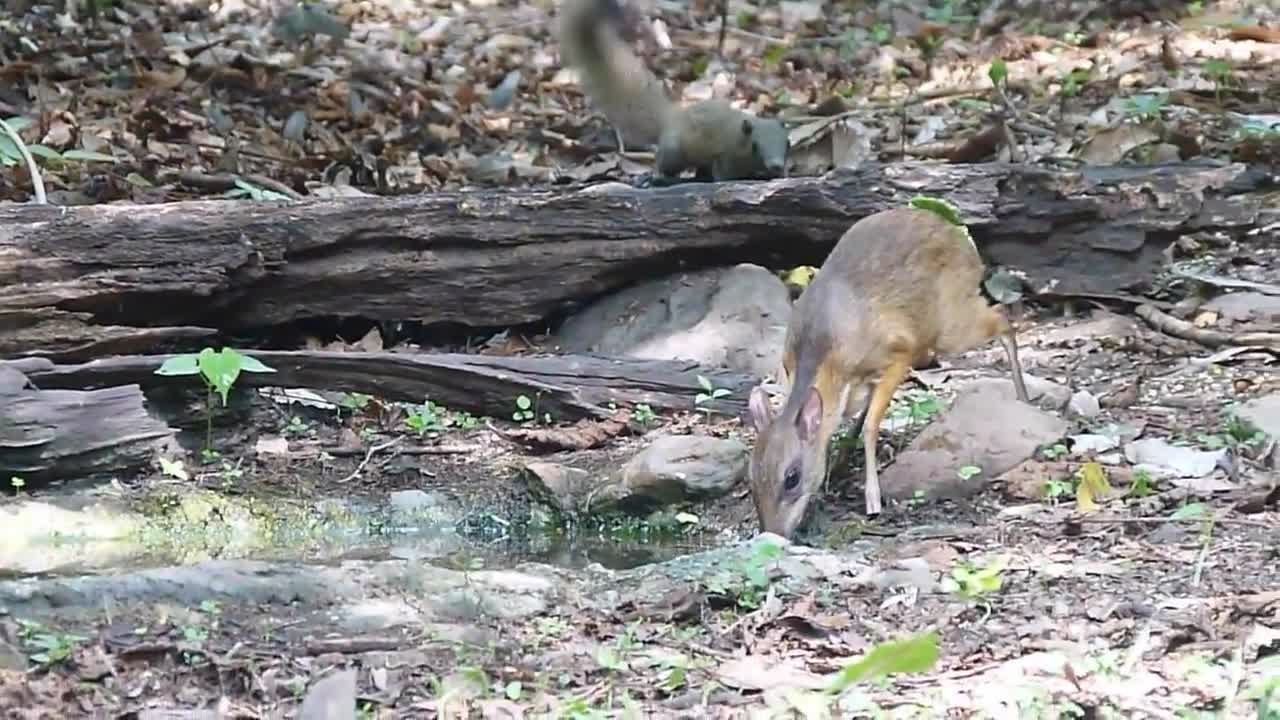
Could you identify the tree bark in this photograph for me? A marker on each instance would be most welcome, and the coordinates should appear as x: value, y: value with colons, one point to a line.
x: 48, y: 435
x: 567, y: 386
x: 76, y: 280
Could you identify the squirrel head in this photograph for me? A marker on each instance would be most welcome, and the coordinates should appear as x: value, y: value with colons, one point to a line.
x: 770, y: 144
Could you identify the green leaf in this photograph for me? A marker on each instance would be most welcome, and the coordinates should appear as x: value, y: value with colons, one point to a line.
x: 523, y: 402
x: 179, y: 365
x: 1188, y: 511
x: 773, y: 53
x: 44, y: 152
x: 220, y: 369
x: 916, y: 654
x: 87, y: 156
x: 939, y: 207
x: 252, y: 364
x: 998, y: 71
x: 137, y: 180
x: 18, y: 123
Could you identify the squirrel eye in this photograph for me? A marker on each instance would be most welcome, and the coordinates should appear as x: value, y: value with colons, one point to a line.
x: 791, y: 480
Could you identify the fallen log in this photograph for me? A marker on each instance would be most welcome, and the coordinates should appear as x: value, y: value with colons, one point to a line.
x: 79, y: 276
x: 567, y: 386
x: 48, y: 435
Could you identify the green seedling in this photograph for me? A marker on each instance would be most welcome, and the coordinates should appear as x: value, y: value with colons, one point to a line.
x: 1142, y: 484
x: 708, y: 394
x: 972, y: 581
x: 1074, y: 81
x: 17, y: 483
x: 998, y: 72
x: 1146, y: 107
x: 1053, y: 452
x: 968, y: 472
x: 354, y: 402
x: 524, y: 410
x: 296, y: 427
x: 1221, y: 72
x: 749, y: 580
x: 219, y: 370
x: 51, y: 648
x: 643, y: 414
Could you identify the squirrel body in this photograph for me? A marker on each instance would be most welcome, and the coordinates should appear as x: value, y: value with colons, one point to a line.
x: 710, y: 136
x: 899, y: 286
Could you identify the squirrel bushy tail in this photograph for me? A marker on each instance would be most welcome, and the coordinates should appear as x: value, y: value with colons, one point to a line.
x: 613, y: 76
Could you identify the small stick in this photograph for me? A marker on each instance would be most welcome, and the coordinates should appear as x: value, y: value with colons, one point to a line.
x: 1184, y: 330
x: 369, y: 456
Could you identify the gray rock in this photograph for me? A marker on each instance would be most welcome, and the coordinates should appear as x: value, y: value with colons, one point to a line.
x: 674, y: 468
x: 1083, y: 405
x: 985, y: 427
x: 332, y: 698
x: 732, y: 317
x: 417, y: 506
x: 1263, y: 413
x: 1246, y: 306
x: 685, y: 467
x: 570, y: 489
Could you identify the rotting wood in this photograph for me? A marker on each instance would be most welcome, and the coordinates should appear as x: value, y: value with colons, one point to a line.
x: 49, y: 434
x: 500, y: 258
x: 567, y: 386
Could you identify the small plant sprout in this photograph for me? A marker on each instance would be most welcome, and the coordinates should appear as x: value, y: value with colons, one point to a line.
x: 643, y: 414
x: 1220, y: 71
x: 297, y: 426
x: 354, y: 401
x: 219, y: 370
x: 968, y: 472
x: 974, y: 581
x: 1054, y: 451
x: 17, y: 483
x: 709, y: 393
x: 524, y: 410
x: 1146, y: 107
x: 174, y: 469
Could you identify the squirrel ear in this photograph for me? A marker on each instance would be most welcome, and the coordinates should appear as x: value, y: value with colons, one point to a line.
x: 746, y: 126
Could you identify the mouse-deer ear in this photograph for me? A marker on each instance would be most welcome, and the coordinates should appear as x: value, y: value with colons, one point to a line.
x: 760, y: 409
x: 747, y: 126
x: 810, y: 416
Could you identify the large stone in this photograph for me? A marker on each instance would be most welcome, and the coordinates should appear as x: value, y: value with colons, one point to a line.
x: 685, y: 467
x: 1263, y: 413
x: 674, y: 468
x: 986, y: 427
x: 733, y: 317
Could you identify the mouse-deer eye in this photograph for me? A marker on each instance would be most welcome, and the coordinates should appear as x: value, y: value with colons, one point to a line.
x: 791, y: 480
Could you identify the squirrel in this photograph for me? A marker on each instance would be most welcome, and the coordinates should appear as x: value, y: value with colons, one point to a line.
x: 710, y: 136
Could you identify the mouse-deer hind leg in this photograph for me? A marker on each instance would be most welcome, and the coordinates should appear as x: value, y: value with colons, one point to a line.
x: 980, y: 325
x: 1004, y: 330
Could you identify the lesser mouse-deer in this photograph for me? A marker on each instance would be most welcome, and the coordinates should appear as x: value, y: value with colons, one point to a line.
x: 899, y: 286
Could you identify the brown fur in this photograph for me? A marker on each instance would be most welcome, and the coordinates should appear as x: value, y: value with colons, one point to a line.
x: 710, y: 136
x: 900, y: 285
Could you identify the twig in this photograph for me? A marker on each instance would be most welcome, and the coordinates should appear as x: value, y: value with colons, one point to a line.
x: 37, y: 184
x: 724, y: 26
x: 369, y: 456
x: 1170, y: 325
